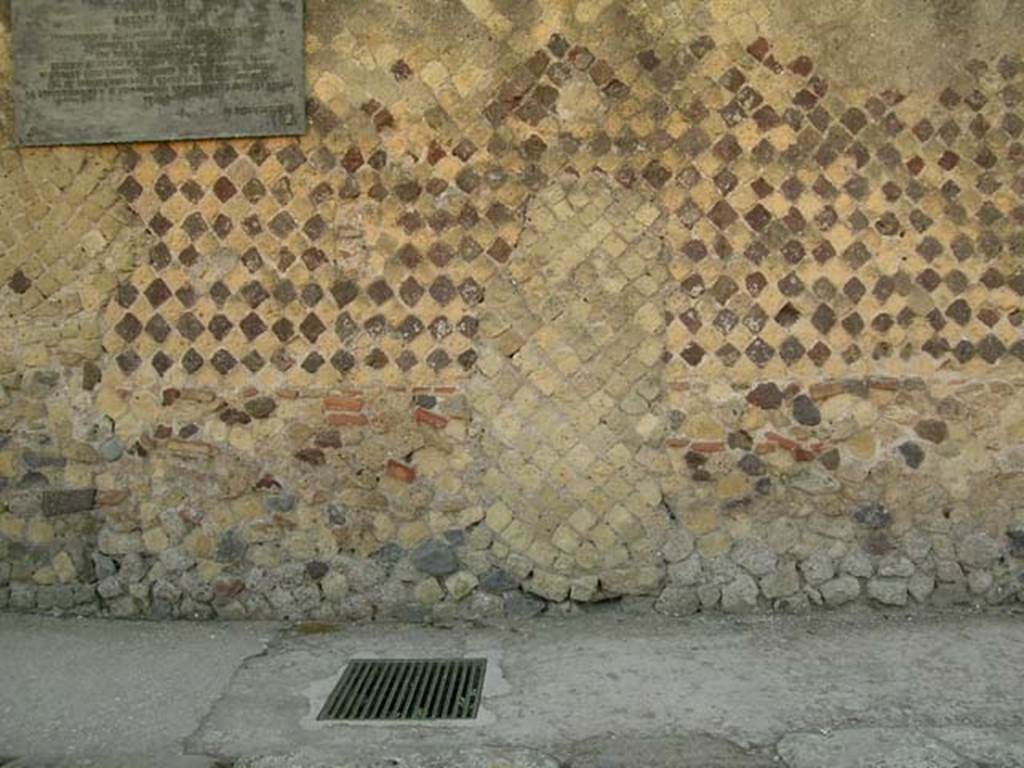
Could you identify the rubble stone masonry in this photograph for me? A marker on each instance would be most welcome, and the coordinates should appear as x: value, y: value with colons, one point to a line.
x: 698, y: 306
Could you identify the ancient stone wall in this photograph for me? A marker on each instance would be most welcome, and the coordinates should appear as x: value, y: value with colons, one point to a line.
x: 698, y: 305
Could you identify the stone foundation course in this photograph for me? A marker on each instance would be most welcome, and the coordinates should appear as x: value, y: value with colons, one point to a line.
x: 685, y: 306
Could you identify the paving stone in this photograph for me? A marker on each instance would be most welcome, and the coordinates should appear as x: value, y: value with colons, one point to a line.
x: 465, y: 758
x: 870, y: 746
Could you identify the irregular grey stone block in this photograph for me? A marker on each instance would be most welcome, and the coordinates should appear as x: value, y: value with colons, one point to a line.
x: 754, y: 556
x: 68, y: 502
x: 805, y: 411
x: 261, y: 407
x: 873, y: 516
x: 917, y: 545
x: 840, y: 590
x: 895, y: 565
x: 279, y: 502
x: 1016, y: 539
x: 740, y: 595
x: 818, y: 567
x: 109, y: 588
x: 498, y: 581
x: 888, y: 591
x: 921, y: 586
x: 23, y: 597
x: 435, y: 558
x: 979, y: 582
x: 783, y: 582
x: 115, y: 543
x: 709, y: 595
x: 676, y: 600
x: 949, y: 571
x: 978, y: 550
x: 231, y: 548
x: 686, y: 573
x: 522, y: 606
x: 946, y: 594
x: 111, y: 450
x: 34, y: 460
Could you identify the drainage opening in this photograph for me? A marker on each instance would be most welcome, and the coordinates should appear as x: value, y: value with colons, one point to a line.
x: 407, y: 689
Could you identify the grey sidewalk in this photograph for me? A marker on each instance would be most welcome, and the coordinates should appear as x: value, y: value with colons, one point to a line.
x: 88, y: 688
x: 844, y: 689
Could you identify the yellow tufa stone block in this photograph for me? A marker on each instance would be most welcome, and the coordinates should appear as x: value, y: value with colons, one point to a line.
x: 714, y: 544
x: 198, y: 544
x: 498, y: 517
x: 155, y: 540
x: 701, y: 519
x: 542, y: 552
x: 39, y: 532
x: 732, y: 485
x: 566, y: 539
x: 45, y: 576
x: 64, y: 568
x: 411, y: 534
x: 548, y: 585
x: 428, y: 592
x: 862, y: 445
x: 582, y: 520
x: 622, y: 522
x: 461, y: 584
x: 701, y: 426
x: 11, y: 527
x: 8, y: 463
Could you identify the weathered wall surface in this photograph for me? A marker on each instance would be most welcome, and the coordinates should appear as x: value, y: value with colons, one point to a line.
x: 709, y: 305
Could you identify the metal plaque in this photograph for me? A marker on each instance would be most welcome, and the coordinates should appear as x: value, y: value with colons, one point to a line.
x: 99, y: 71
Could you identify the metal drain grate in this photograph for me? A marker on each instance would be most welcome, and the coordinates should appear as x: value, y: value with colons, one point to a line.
x: 407, y: 689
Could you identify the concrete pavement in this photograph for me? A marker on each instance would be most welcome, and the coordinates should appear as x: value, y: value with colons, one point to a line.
x: 90, y: 689
x: 857, y: 688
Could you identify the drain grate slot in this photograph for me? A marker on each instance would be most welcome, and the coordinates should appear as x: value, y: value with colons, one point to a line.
x: 407, y: 689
